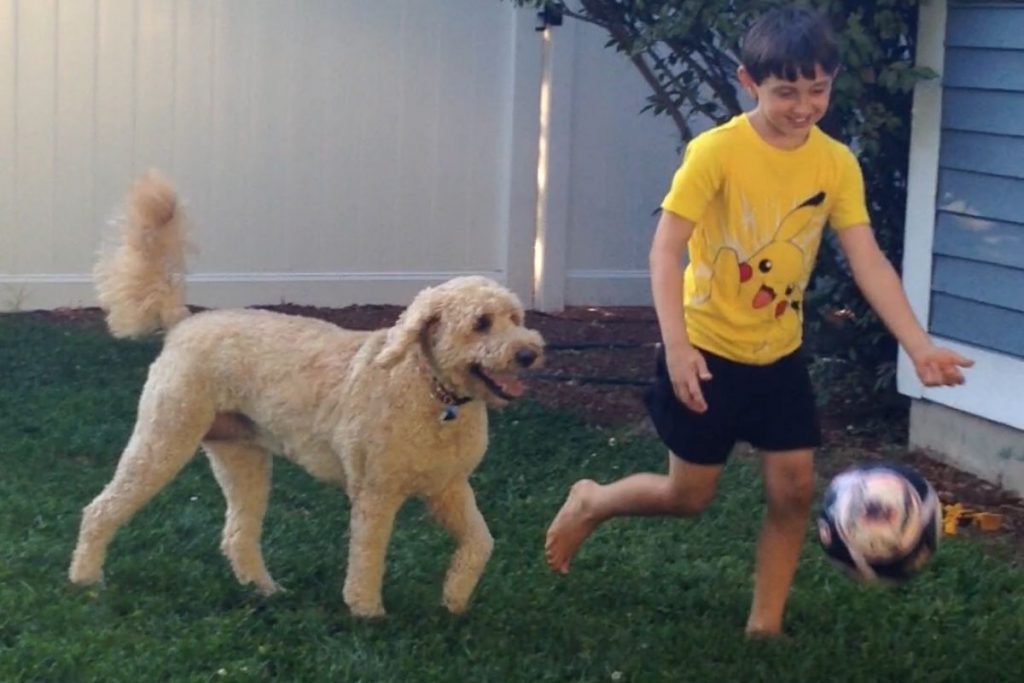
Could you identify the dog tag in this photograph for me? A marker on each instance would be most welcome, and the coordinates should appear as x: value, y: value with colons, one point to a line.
x: 450, y: 413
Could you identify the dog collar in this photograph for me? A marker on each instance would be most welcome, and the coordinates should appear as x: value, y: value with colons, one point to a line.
x: 447, y: 398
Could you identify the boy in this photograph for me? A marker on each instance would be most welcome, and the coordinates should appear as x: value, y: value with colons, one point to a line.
x: 749, y: 202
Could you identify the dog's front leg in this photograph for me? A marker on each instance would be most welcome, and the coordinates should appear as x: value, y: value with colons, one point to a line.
x: 373, y: 518
x: 456, y: 509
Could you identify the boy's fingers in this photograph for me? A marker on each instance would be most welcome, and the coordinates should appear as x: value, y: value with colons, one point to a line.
x: 934, y: 375
x: 683, y: 394
x: 702, y: 369
x: 952, y: 375
x: 693, y: 387
x: 962, y: 361
x: 927, y: 374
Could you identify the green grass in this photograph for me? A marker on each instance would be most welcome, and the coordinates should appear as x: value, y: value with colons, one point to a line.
x: 648, y: 599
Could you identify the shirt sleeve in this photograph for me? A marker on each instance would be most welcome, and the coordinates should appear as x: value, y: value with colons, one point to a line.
x: 695, y: 182
x: 850, y: 208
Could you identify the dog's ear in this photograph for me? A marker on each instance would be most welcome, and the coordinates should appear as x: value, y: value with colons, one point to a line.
x: 424, y: 311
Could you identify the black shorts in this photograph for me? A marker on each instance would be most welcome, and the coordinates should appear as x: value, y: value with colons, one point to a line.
x: 771, y: 407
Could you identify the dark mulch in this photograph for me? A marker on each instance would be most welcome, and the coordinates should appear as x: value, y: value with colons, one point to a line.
x: 599, y: 360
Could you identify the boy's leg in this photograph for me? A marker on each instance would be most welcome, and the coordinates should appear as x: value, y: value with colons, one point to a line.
x: 685, y: 491
x: 789, y: 489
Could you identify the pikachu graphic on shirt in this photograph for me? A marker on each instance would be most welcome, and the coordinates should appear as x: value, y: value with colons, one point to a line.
x: 770, y: 278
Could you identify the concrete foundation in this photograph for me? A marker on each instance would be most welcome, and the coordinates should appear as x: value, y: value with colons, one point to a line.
x: 986, y: 449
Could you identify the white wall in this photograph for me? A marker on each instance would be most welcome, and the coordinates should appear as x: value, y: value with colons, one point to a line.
x: 329, y: 152
x: 622, y: 163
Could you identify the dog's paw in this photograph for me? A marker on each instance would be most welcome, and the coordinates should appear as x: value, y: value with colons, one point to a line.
x: 455, y: 605
x: 367, y: 610
x: 85, y: 579
x: 268, y: 589
x: 97, y: 582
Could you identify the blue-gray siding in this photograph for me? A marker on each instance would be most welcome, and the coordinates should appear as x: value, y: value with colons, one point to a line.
x: 978, y: 270
x: 995, y: 25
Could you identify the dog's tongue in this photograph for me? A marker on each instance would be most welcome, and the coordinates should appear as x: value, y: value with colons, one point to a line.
x: 510, y: 384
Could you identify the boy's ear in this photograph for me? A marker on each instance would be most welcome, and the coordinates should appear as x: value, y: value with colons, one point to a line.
x: 747, y: 81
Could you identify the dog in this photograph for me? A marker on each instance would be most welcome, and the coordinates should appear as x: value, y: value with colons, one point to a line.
x: 385, y: 415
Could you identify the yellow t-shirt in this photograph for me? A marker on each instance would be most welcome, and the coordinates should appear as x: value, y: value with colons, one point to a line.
x: 759, y: 212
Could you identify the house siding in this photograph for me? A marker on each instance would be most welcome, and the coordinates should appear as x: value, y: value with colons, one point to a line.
x: 963, y: 264
x: 977, y: 286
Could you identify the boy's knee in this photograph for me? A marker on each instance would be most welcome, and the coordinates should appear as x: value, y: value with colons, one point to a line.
x: 794, y: 496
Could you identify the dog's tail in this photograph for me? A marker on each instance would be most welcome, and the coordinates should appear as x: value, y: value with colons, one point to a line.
x: 140, y: 282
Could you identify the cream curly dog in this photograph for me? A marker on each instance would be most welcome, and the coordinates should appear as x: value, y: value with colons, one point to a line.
x: 385, y: 415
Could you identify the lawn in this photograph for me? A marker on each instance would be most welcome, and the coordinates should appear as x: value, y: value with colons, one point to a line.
x: 648, y: 600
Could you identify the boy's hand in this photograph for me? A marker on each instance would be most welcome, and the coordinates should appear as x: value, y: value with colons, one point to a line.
x: 937, y: 366
x: 687, y: 368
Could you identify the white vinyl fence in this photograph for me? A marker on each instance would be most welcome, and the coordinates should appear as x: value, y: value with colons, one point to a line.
x: 329, y: 151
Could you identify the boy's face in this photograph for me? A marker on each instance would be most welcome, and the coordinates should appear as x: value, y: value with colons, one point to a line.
x: 788, y: 109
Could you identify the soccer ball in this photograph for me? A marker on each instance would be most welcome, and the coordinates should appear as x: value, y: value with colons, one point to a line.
x: 880, y: 523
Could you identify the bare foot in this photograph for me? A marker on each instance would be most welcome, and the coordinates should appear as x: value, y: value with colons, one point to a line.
x: 571, y: 526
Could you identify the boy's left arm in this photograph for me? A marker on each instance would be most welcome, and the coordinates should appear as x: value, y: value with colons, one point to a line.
x: 881, y: 286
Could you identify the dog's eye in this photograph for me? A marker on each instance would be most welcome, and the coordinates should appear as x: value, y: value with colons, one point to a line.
x: 482, y: 324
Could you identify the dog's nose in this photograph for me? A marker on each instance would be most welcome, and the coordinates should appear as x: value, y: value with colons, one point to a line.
x: 526, y: 357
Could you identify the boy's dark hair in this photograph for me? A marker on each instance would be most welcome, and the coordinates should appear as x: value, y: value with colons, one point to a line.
x: 788, y: 42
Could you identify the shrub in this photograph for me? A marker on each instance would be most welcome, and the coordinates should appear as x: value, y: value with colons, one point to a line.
x: 685, y: 51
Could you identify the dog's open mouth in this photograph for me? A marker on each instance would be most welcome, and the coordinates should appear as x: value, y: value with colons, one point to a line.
x: 505, y: 385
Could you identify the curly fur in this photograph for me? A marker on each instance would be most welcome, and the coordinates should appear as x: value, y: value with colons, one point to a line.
x: 140, y: 283
x: 360, y: 410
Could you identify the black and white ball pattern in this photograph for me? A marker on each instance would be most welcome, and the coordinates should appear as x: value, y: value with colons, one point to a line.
x: 880, y: 522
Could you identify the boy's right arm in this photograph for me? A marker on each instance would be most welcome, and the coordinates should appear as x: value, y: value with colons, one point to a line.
x: 686, y: 366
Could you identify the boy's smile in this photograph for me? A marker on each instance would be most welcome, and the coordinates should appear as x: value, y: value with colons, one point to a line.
x: 787, y: 110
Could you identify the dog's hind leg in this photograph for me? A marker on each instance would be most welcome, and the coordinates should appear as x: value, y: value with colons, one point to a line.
x: 243, y: 471
x: 456, y: 509
x: 166, y: 437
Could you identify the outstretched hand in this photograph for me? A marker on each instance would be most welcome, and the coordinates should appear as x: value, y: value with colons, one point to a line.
x: 937, y: 366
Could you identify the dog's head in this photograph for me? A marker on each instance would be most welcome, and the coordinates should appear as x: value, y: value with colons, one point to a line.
x: 471, y: 334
